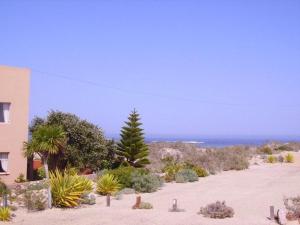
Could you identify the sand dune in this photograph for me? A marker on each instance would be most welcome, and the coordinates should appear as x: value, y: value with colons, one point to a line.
x: 249, y: 192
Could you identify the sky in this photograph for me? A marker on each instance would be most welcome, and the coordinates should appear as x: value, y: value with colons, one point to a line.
x: 190, y: 68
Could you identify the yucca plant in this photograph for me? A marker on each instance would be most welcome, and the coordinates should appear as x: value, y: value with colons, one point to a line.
x: 108, y: 184
x: 5, y: 214
x: 67, y: 189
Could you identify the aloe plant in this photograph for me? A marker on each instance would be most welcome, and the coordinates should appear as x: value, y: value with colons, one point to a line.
x: 67, y: 189
x: 108, y: 184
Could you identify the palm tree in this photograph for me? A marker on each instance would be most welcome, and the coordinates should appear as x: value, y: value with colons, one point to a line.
x: 46, y: 140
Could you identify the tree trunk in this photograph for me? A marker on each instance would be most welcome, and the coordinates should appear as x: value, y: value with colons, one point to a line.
x: 49, y: 187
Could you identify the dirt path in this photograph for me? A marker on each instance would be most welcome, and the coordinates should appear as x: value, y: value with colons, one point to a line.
x: 249, y: 192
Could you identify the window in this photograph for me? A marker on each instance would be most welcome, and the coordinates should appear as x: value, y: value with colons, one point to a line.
x: 4, y: 112
x: 3, y: 162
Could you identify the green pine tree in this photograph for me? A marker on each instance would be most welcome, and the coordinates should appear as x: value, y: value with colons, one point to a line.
x: 132, y: 149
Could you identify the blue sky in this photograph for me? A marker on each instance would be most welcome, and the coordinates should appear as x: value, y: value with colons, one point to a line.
x: 191, y: 68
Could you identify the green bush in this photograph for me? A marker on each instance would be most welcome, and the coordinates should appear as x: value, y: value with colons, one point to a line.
x: 186, y: 175
x: 5, y: 214
x: 201, y: 172
x: 41, y: 172
x: 145, y: 205
x: 271, y: 159
x: 20, y: 178
x: 124, y: 175
x: 3, y: 189
x: 289, y: 158
x: 67, y: 189
x: 171, y: 169
x: 145, y: 182
x: 108, y: 184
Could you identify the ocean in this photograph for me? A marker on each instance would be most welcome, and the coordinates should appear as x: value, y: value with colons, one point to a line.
x: 218, y: 142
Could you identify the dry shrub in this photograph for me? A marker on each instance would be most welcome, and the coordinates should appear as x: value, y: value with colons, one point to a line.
x: 212, y: 160
x: 293, y: 207
x: 217, y: 210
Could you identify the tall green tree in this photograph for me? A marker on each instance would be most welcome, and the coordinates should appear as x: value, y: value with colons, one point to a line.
x: 87, y: 148
x: 46, y: 141
x: 132, y: 149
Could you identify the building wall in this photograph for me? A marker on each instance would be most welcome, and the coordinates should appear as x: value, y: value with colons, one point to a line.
x: 14, y: 89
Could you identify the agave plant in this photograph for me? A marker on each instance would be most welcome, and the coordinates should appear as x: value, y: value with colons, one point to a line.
x: 108, y: 184
x: 67, y: 189
x: 5, y: 214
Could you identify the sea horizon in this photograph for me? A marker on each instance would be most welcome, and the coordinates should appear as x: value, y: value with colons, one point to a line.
x: 219, y: 141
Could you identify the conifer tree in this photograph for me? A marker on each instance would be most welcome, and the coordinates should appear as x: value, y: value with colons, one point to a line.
x: 132, y: 149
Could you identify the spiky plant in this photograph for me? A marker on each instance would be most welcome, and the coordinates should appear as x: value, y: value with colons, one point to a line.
x: 5, y: 214
x: 67, y: 189
x: 108, y: 184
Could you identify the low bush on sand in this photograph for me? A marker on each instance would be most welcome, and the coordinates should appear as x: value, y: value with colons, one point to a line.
x: 146, y: 182
x: 201, y: 172
x: 292, y: 206
x: 186, y: 175
x: 265, y: 150
x: 217, y: 210
x: 124, y: 175
x: 145, y: 205
x: 271, y: 159
x: 289, y: 158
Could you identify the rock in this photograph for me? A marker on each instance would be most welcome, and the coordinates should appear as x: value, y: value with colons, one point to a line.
x: 89, y: 199
x: 281, y: 215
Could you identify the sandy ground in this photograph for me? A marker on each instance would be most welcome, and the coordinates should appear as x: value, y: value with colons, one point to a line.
x: 249, y: 192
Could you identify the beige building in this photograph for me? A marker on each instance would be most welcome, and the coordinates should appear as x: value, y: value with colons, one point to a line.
x: 14, y: 116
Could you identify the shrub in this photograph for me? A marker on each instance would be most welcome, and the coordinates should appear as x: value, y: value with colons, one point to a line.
x: 127, y: 191
x: 271, y: 159
x: 20, y: 178
x: 67, y: 189
x: 5, y: 214
x: 289, y: 158
x: 284, y: 148
x: 201, y: 172
x: 145, y: 182
x: 280, y: 159
x: 293, y: 207
x: 145, y: 205
x: 108, y: 184
x: 35, y: 201
x: 186, y: 175
x: 266, y: 150
x: 217, y: 210
x: 3, y: 189
x: 171, y: 169
x: 41, y: 172
x: 37, y: 186
x: 124, y: 175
